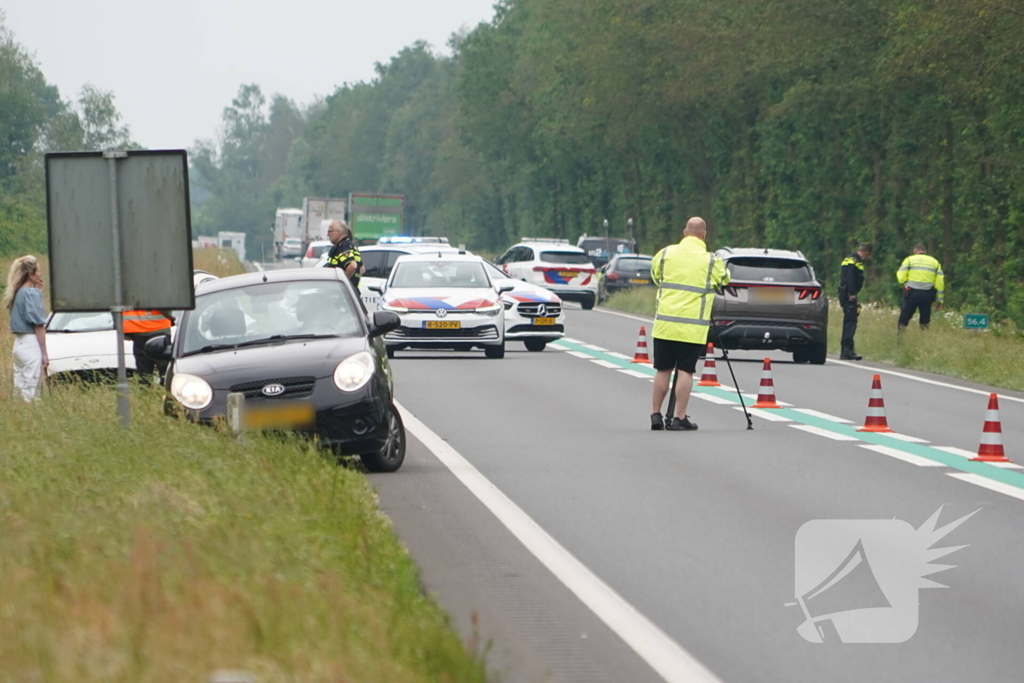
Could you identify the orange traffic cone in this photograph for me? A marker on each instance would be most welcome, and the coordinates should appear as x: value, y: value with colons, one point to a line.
x: 766, y: 394
x: 875, y: 421
x: 709, y: 375
x: 991, y: 448
x: 641, y: 348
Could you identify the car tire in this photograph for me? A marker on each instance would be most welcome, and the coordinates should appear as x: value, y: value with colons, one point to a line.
x: 588, y: 302
x: 818, y: 353
x: 495, y: 351
x: 535, y: 344
x: 801, y: 355
x: 390, y: 351
x: 391, y: 456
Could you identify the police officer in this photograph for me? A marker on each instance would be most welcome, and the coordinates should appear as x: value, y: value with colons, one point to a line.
x: 687, y: 276
x: 345, y: 254
x: 851, y: 279
x: 923, y: 284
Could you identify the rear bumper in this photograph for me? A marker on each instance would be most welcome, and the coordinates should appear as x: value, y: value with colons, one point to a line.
x: 612, y: 286
x: 577, y: 295
x: 785, y: 335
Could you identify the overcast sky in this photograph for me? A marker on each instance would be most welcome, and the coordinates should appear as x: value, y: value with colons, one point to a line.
x: 173, y: 66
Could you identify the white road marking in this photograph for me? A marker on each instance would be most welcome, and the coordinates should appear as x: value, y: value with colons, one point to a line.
x: 900, y: 455
x: 810, y: 429
x: 667, y: 657
x: 984, y: 482
x: 753, y: 399
x: 594, y: 348
x: 258, y: 265
x: 609, y: 311
x: 616, y: 354
x: 634, y: 373
x: 604, y: 363
x: 904, y: 437
x: 969, y: 455
x: 823, y: 416
x: 580, y: 354
x: 766, y: 415
x: 557, y: 347
x: 712, y: 398
x: 571, y: 340
x: 923, y: 379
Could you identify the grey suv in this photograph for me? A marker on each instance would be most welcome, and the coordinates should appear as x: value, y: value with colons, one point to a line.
x: 772, y: 301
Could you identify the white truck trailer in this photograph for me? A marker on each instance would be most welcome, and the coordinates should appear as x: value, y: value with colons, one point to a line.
x: 317, y: 213
x: 287, y: 225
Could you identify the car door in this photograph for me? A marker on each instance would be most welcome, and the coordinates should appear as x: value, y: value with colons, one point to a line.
x: 521, y: 264
x: 375, y: 274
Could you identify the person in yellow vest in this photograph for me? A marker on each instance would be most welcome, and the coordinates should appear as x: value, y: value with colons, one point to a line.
x: 923, y: 284
x: 687, y: 277
x: 140, y: 327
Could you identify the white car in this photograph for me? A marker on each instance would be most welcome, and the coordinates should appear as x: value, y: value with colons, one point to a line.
x: 379, y: 260
x: 84, y: 344
x: 291, y: 248
x: 533, y: 315
x: 314, y: 252
x: 553, y: 264
x: 445, y: 301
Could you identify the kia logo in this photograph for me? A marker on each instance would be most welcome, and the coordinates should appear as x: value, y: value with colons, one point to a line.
x: 273, y: 390
x: 440, y: 313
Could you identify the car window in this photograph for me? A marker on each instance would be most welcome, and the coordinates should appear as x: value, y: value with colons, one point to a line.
x: 633, y: 264
x: 392, y: 257
x: 319, y: 250
x: 374, y: 262
x: 494, y: 272
x: 768, y: 269
x: 462, y: 274
x: 80, y: 322
x: 264, y: 310
x: 573, y: 257
x: 599, y: 246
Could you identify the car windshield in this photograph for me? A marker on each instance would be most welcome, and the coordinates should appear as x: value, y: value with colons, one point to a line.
x: 460, y: 274
x: 495, y: 272
x: 633, y: 264
x: 573, y: 257
x: 768, y: 269
x: 266, y: 312
x: 599, y: 246
x: 81, y: 322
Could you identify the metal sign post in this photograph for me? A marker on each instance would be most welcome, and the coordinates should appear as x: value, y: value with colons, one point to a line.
x: 117, y: 310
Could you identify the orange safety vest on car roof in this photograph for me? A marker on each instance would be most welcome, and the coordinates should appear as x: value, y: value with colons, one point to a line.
x: 141, y: 322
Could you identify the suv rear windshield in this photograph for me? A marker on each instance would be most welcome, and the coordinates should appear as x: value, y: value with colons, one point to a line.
x: 761, y: 268
x: 633, y: 264
x: 565, y: 257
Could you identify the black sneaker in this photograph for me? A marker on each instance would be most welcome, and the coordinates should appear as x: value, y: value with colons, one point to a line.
x: 849, y: 355
x: 657, y: 422
x: 684, y: 425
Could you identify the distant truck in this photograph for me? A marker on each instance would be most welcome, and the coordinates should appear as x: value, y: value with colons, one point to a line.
x: 287, y: 225
x: 372, y: 216
x: 233, y: 240
x: 317, y: 214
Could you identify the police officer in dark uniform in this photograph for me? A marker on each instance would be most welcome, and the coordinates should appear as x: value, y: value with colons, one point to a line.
x: 851, y: 279
x: 345, y: 254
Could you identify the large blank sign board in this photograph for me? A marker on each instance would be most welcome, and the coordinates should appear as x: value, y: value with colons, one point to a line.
x: 154, y: 225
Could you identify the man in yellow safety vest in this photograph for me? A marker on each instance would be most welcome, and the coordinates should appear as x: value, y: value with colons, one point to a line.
x: 687, y: 277
x: 923, y: 284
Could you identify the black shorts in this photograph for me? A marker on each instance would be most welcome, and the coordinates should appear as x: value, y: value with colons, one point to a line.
x: 670, y: 355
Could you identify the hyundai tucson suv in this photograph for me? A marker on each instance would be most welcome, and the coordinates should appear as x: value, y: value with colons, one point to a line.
x: 772, y: 301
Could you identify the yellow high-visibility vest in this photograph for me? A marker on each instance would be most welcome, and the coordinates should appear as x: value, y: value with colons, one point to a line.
x: 687, y: 276
x: 921, y: 271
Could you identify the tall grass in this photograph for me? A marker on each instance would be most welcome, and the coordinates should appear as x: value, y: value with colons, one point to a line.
x: 219, y: 262
x: 165, y: 551
x: 995, y: 357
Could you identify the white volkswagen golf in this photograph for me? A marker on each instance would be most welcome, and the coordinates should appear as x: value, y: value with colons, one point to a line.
x: 445, y: 301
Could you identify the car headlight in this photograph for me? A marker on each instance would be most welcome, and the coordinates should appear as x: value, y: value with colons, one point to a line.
x: 507, y: 303
x: 195, y: 393
x: 354, y: 372
x: 493, y: 309
x: 394, y: 309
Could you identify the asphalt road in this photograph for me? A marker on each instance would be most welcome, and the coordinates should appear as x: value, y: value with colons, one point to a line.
x: 697, y: 530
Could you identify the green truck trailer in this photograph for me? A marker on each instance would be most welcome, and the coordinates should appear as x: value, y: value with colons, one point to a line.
x: 372, y: 216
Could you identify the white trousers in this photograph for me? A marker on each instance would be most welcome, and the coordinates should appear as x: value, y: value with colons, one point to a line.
x: 28, y: 365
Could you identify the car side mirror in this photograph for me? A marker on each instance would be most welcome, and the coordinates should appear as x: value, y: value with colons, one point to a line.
x: 376, y: 288
x: 158, y: 348
x: 384, y: 322
x: 298, y: 259
x: 505, y: 288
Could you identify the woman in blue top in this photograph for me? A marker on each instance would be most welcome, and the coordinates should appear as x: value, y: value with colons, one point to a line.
x: 24, y: 299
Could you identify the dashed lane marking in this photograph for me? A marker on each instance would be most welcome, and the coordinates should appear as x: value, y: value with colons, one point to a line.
x: 765, y: 414
x: 580, y: 354
x: 925, y: 380
x: 633, y: 373
x: 592, y: 347
x: 970, y: 456
x: 605, y: 364
x: 823, y: 416
x: 904, y: 437
x: 811, y: 429
x: 987, y: 483
x: 900, y: 455
x: 713, y: 399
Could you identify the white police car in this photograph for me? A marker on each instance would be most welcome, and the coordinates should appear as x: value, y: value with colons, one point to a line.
x: 445, y: 301
x: 533, y: 314
x: 553, y: 264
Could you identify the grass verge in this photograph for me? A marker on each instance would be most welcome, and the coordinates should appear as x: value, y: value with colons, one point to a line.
x: 992, y: 357
x: 219, y: 262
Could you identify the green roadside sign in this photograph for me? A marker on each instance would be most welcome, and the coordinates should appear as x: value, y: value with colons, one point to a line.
x: 975, y: 321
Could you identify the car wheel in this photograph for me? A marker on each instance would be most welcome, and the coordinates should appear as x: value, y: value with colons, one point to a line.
x: 390, y: 351
x: 391, y: 456
x: 535, y: 344
x: 588, y: 302
x: 495, y: 351
x: 817, y: 354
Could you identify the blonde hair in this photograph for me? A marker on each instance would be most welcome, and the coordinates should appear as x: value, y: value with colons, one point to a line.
x: 21, y: 270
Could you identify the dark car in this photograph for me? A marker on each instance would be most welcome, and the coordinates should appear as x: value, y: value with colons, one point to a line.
x: 772, y: 301
x: 297, y: 345
x: 624, y: 271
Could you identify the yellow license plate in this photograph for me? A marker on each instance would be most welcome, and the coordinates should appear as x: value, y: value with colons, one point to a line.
x: 290, y: 415
x: 771, y: 295
x: 568, y: 273
x: 543, y: 321
x: 637, y: 281
x: 443, y: 324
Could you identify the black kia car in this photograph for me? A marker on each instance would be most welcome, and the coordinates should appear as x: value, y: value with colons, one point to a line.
x: 297, y: 346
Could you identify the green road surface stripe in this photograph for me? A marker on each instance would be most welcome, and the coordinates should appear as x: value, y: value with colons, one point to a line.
x: 1010, y: 477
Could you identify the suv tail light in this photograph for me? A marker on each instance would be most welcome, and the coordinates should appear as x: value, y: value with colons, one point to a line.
x: 612, y: 276
x: 812, y: 292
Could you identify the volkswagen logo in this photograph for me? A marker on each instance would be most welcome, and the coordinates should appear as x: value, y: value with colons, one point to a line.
x: 273, y: 390
x: 440, y: 313
x: 542, y: 311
